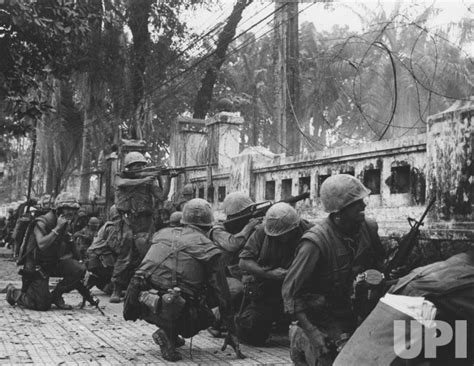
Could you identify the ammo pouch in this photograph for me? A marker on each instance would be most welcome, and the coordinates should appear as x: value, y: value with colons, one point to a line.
x: 368, y: 289
x: 169, y: 305
x: 172, y: 304
x: 151, y: 299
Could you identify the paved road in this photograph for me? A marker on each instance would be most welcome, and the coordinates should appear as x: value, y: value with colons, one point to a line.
x: 86, y: 337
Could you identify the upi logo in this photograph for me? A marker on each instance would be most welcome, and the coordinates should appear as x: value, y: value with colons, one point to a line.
x: 408, y: 343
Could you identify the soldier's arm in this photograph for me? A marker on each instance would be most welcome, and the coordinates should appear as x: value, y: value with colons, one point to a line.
x: 44, y: 239
x: 162, y: 187
x: 299, y: 274
x: 231, y: 242
x: 218, y: 284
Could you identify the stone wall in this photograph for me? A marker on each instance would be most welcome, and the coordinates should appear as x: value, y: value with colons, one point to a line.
x: 403, y: 174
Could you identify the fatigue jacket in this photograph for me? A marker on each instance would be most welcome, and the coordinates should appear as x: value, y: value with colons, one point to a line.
x: 326, y: 263
x: 186, y: 258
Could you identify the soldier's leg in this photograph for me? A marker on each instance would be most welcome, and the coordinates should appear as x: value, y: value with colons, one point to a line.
x: 165, y: 339
x: 254, y: 323
x: 72, y: 272
x: 301, y: 350
x: 33, y: 295
x: 99, y: 275
x: 121, y: 274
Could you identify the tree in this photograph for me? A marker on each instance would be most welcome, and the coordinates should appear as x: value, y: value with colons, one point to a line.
x: 204, y: 95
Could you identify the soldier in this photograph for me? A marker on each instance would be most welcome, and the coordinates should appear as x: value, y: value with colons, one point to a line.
x: 231, y: 244
x: 84, y: 237
x: 49, y: 253
x: 169, y: 287
x: 80, y: 221
x: 175, y: 218
x: 318, y: 287
x: 266, y: 257
x: 186, y: 195
x: 45, y: 204
x: 103, y: 252
x: 449, y: 285
x: 136, y: 198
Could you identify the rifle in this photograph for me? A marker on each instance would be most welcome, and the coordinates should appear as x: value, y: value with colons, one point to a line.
x: 235, y: 223
x: 408, y: 242
x: 153, y: 171
x: 87, y: 296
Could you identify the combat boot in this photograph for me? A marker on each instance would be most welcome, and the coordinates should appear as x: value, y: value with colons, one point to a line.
x: 168, y: 350
x: 12, y: 297
x: 115, y: 298
x: 60, y: 303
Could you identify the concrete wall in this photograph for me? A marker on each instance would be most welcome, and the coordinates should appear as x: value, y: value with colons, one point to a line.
x: 402, y: 174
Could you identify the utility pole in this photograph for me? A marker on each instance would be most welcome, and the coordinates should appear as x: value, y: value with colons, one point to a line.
x: 286, y: 58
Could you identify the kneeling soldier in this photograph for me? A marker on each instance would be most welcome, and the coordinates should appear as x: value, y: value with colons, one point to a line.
x: 169, y: 287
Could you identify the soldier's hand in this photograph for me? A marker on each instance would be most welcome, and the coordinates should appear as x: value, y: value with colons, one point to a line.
x: 318, y: 341
x: 398, y: 272
x: 232, y: 340
x: 277, y: 274
x: 62, y: 222
x: 173, y: 173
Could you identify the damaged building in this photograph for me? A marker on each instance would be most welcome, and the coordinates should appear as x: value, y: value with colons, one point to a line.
x: 403, y: 174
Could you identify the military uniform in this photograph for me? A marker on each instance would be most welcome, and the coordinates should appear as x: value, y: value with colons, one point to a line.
x: 449, y: 285
x: 83, y: 240
x: 103, y: 252
x: 55, y: 260
x: 320, y: 279
x: 263, y: 302
x: 180, y: 257
x: 136, y: 200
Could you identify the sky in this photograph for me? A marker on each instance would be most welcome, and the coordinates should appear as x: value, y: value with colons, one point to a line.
x: 323, y: 16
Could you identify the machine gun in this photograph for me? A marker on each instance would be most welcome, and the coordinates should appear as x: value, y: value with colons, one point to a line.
x: 408, y: 242
x: 153, y: 171
x: 235, y: 223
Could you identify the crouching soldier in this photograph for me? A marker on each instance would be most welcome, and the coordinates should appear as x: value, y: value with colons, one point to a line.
x: 49, y: 251
x: 103, y: 252
x: 84, y: 237
x: 231, y: 240
x: 266, y: 257
x: 169, y: 287
x: 318, y: 287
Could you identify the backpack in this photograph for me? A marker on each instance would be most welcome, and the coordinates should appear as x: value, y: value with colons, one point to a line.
x: 134, y: 195
x: 26, y: 226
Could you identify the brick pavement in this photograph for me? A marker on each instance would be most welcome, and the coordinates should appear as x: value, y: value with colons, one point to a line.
x: 85, y: 337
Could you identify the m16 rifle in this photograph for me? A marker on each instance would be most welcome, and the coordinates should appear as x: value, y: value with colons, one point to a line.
x: 235, y: 223
x: 85, y: 292
x: 153, y: 171
x: 408, y: 242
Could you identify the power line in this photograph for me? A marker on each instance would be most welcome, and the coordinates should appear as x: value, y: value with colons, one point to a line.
x: 243, y: 45
x: 194, y: 65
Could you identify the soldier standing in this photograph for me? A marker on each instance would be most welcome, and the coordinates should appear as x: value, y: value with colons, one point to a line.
x: 136, y: 199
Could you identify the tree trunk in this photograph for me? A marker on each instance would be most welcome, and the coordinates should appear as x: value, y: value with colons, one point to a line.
x: 91, y: 93
x: 86, y: 158
x: 138, y: 13
x: 204, y: 95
